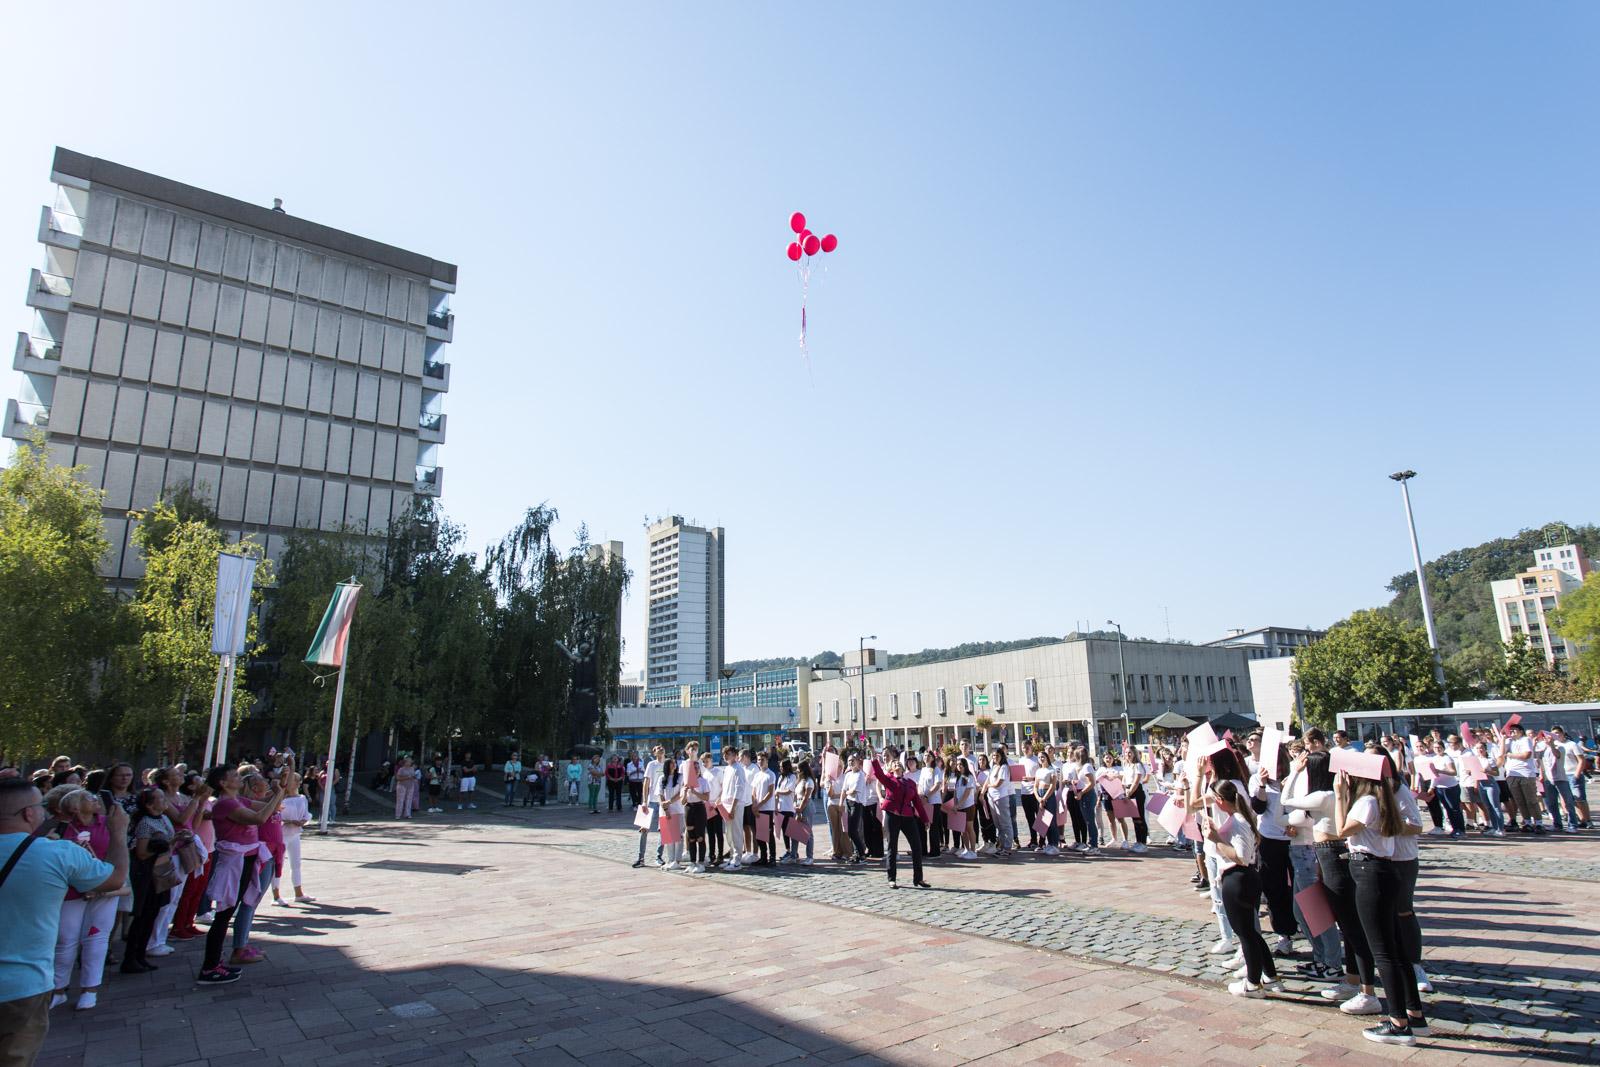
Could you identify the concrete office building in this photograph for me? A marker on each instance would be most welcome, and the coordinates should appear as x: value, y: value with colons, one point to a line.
x: 684, y: 635
x: 1048, y: 692
x: 1269, y: 642
x: 291, y: 372
x: 1522, y: 605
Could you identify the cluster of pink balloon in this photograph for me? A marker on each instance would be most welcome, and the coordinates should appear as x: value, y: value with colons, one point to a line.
x: 807, y: 243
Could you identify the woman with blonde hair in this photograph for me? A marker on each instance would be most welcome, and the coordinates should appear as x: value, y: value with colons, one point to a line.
x: 86, y: 919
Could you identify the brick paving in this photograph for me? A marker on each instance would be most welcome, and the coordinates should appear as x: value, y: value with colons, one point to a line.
x: 497, y: 937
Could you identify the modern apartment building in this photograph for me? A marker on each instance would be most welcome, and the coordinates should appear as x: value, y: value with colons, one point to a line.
x: 1063, y: 690
x: 684, y: 635
x: 1269, y: 642
x: 1522, y: 605
x: 291, y: 372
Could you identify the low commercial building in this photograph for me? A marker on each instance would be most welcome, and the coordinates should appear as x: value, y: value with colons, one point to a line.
x: 753, y: 709
x: 1073, y: 689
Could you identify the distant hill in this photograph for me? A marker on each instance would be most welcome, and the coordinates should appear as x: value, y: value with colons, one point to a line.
x: 1458, y: 586
x: 927, y: 655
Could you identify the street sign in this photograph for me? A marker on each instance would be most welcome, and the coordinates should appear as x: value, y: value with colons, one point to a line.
x: 716, y: 744
x: 981, y: 700
x: 1027, y: 729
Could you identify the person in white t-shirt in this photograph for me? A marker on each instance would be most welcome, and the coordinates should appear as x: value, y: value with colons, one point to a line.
x: 735, y: 796
x: 856, y: 789
x: 1000, y: 793
x: 1562, y: 765
x: 1028, y: 799
x: 652, y: 795
x: 964, y: 794
x: 1047, y: 793
x: 1520, y: 756
x: 1446, y: 784
x: 1231, y: 833
x: 764, y: 793
x: 715, y: 840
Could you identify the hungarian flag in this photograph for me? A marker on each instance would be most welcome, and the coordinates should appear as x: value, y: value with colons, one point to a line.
x: 333, y: 636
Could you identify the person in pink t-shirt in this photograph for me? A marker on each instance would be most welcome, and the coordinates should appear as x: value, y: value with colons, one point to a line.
x: 240, y: 857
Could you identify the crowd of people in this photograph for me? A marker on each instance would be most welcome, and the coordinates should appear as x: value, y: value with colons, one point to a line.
x: 113, y: 867
x: 1315, y: 839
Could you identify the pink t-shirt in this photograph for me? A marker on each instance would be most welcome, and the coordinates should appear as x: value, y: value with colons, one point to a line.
x: 227, y: 830
x: 99, y: 842
x: 272, y: 831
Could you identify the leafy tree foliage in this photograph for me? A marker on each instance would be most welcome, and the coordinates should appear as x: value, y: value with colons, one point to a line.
x: 57, y: 621
x: 1368, y: 662
x: 1577, y: 619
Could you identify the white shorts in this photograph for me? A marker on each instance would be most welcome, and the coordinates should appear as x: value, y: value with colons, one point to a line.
x: 468, y: 784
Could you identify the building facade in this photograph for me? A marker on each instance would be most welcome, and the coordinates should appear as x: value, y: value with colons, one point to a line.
x: 291, y: 373
x: 1269, y: 642
x: 1071, y: 689
x: 684, y: 638
x: 1522, y: 605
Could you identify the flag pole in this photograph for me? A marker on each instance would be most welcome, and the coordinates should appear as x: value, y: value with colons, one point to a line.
x: 211, y: 731
x: 227, y: 709
x: 333, y: 746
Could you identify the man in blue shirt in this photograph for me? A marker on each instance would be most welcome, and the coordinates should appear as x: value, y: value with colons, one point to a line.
x: 30, y: 899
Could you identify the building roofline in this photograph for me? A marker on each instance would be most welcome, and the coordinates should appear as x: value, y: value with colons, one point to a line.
x: 116, y: 176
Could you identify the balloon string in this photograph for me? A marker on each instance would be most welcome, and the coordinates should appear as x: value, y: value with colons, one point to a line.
x: 805, y: 292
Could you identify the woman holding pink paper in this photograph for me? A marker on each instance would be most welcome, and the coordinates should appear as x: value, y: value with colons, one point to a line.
x: 964, y: 795
x: 1235, y: 842
x: 1046, y: 790
x: 671, y: 792
x: 1488, y: 790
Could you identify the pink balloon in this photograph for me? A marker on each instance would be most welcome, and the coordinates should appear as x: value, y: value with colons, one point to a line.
x: 829, y: 243
x: 794, y: 251
x: 797, y: 222
x: 812, y: 244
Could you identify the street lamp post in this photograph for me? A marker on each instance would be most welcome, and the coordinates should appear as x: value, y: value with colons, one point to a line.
x: 723, y: 674
x: 1422, y: 585
x: 1122, y: 687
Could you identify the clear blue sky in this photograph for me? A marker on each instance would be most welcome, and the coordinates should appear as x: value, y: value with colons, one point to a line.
x: 1135, y: 306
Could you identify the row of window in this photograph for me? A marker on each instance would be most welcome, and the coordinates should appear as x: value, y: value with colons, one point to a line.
x: 1148, y: 687
x: 1207, y: 688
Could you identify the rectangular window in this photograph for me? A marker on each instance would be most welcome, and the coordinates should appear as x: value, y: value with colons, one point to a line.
x: 916, y: 703
x: 1160, y: 693
x: 855, y: 710
x: 894, y: 705
x: 1186, y: 695
x: 1144, y: 688
x: 1211, y: 689
x: 1233, y: 687
x: 872, y: 706
x: 1030, y: 692
x: 835, y: 711
x: 1172, y: 685
x: 999, y: 689
x: 819, y: 712
x: 941, y: 702
x: 966, y: 699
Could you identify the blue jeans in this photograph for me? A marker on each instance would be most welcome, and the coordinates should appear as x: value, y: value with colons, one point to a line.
x: 1087, y: 804
x: 511, y: 791
x: 1325, y: 948
x: 1052, y: 836
x: 1450, y: 799
x: 1489, y: 792
x: 644, y: 835
x: 1554, y: 793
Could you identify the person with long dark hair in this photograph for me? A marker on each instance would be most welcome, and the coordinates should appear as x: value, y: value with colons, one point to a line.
x: 1221, y: 766
x: 1369, y: 819
x: 153, y: 835
x: 1277, y: 872
x: 239, y: 851
x: 1235, y: 841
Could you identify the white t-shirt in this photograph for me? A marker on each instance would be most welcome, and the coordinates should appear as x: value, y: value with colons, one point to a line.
x: 835, y: 791
x: 786, y: 787
x: 671, y: 796
x: 1444, y: 770
x: 1405, y: 846
x: 1369, y: 839
x: 763, y: 788
x: 746, y: 775
x: 1043, y: 779
x: 294, y: 808
x: 652, y: 782
x: 1520, y: 761
x: 927, y: 781
x: 1030, y: 767
x: 858, y: 787
x: 1000, y: 777
x: 1572, y: 758
x: 1242, y: 840
x: 1270, y: 822
x: 966, y: 790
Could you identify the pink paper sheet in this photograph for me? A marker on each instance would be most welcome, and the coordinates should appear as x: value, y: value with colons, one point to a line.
x: 1201, y: 736
x: 1360, y: 764
x: 831, y: 765
x: 1122, y: 808
x: 763, y: 827
x: 1425, y: 767
x: 1466, y: 731
x: 1172, y: 817
x: 1513, y: 720
x: 949, y: 807
x: 1017, y: 771
x: 1156, y: 803
x: 691, y: 774
x: 957, y: 822
x: 1315, y: 908
x: 797, y: 830
x: 1191, y: 828
x: 671, y: 832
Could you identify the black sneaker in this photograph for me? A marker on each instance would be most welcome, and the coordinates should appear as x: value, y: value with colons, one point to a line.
x: 1418, y: 1025
x: 1389, y: 1034
x: 638, y: 863
x: 220, y: 976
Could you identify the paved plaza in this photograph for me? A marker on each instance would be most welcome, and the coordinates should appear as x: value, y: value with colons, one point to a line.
x: 523, y: 936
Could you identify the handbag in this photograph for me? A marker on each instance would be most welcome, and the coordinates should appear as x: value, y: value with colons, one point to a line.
x: 166, y: 872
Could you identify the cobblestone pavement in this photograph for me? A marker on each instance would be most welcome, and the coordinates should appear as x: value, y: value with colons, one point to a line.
x: 493, y: 937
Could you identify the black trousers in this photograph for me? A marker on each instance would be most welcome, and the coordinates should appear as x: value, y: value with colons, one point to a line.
x: 940, y: 832
x: 1030, y: 811
x: 1080, y: 829
x: 636, y: 793
x: 1335, y: 871
x: 1141, y: 828
x: 1277, y: 882
x: 873, y: 830
x: 1410, y: 928
x: 912, y: 829
x: 1377, y: 904
x: 613, y: 796
x: 855, y: 826
x: 714, y: 836
x: 1241, y: 896
x: 147, y: 904
x: 218, y: 934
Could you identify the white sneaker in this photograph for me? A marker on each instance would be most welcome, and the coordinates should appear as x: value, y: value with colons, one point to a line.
x: 1245, y: 989
x: 1423, y: 984
x: 1342, y: 991
x: 1241, y: 972
x: 282, y: 902
x: 160, y: 950
x: 1437, y: 831
x: 1235, y: 960
x: 806, y: 862
x: 1284, y: 946
x: 672, y: 866
x: 1139, y: 848
x: 1362, y: 1004
x: 1123, y: 845
x: 1272, y: 985
x: 1051, y: 850
x: 56, y: 1000
x: 969, y: 855
x: 1222, y: 945
x: 206, y: 919
x: 86, y: 1000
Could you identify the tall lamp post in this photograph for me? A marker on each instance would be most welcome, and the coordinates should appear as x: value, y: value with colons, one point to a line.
x: 1122, y: 687
x: 723, y: 674
x: 1422, y: 585
x: 861, y: 665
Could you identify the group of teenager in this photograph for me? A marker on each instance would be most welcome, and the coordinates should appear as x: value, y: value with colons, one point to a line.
x: 1329, y: 849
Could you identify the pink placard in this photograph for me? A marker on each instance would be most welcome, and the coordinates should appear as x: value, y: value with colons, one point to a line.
x: 957, y: 821
x: 1225, y: 827
x: 1201, y: 736
x: 671, y: 832
x: 949, y: 807
x: 726, y: 812
x: 1017, y: 771
x: 1172, y: 818
x: 797, y: 830
x: 832, y: 767
x: 1314, y: 908
x: 1513, y: 720
x: 1219, y: 745
x: 1112, y: 786
x: 1466, y: 732
x: 763, y: 828
x: 691, y: 774
x: 1156, y: 803
x: 1272, y: 740
x: 1191, y: 828
x: 1123, y: 808
x: 1471, y: 763
x: 1360, y: 764
x: 1425, y: 767
x: 641, y: 818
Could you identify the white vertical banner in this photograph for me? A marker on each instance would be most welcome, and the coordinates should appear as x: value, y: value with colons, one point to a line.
x: 236, y: 577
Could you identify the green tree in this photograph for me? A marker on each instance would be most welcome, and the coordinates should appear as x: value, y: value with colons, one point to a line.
x: 1577, y: 620
x: 169, y: 670
x: 1516, y: 675
x: 1368, y: 662
x: 57, y: 621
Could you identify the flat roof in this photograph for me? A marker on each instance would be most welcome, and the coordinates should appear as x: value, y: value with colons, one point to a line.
x: 153, y: 186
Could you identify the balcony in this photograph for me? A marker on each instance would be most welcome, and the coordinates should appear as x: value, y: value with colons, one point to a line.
x: 441, y: 325
x: 36, y: 355
x: 430, y: 427
x: 430, y: 480
x: 436, y: 377
x: 60, y: 228
x: 49, y: 292
x: 22, y: 419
